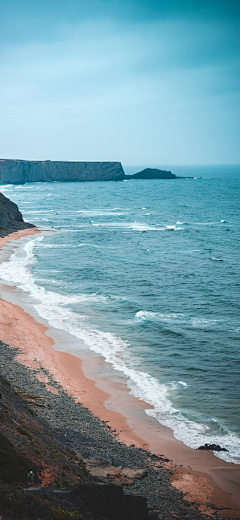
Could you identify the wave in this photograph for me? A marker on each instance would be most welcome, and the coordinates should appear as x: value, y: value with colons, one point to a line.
x: 202, y: 223
x: 56, y: 309
x: 134, y: 226
x: 193, y: 321
x: 98, y: 212
x: 37, y: 211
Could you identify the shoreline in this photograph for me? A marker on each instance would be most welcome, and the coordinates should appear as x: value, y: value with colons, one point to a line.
x: 198, y: 473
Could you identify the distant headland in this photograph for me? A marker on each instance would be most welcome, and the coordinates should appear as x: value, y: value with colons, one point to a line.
x: 16, y: 171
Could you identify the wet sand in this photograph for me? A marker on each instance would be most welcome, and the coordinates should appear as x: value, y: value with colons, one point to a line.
x: 203, y: 476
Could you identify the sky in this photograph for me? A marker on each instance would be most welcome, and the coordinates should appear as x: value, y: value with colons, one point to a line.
x: 151, y: 82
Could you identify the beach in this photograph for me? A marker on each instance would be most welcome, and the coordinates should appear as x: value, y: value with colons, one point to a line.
x: 202, y: 477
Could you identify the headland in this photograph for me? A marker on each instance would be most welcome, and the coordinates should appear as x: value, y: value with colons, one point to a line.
x: 21, y: 171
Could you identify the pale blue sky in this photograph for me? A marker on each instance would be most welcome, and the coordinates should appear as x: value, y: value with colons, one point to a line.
x: 143, y: 82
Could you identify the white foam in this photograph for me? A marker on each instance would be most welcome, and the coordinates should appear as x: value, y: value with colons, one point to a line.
x: 152, y: 316
x: 98, y: 212
x: 55, y: 308
x: 53, y: 246
x: 135, y: 226
x: 37, y: 211
x: 190, y: 321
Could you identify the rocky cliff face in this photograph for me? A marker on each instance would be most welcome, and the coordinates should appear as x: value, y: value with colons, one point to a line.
x: 10, y: 217
x: 19, y: 172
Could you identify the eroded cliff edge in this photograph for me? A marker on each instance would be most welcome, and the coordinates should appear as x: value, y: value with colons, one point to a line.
x: 19, y: 171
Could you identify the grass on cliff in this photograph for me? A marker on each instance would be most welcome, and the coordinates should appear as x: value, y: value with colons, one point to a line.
x: 14, y: 468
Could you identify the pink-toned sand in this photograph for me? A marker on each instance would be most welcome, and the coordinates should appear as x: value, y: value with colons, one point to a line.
x: 199, y: 473
x: 17, y: 235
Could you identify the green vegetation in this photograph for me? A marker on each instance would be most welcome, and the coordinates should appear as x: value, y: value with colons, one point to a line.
x: 56, y: 456
x: 61, y: 513
x: 6, y: 383
x: 32, y: 412
x: 23, y: 432
x: 36, y: 450
x: 19, y: 394
x: 47, y: 447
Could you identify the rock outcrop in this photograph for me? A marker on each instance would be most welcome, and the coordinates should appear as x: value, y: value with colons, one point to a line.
x: 19, y: 172
x: 10, y: 217
x: 152, y: 173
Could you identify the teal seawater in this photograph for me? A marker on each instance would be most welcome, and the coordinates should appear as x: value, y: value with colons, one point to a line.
x: 147, y: 274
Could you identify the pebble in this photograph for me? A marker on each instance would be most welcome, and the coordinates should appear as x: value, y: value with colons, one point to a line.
x: 90, y: 437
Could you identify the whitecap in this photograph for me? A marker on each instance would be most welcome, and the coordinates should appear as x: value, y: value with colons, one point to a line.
x: 135, y: 226
x: 170, y: 228
x: 187, y: 321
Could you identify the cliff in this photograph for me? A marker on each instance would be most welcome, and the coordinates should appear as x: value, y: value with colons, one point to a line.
x: 19, y: 172
x: 10, y: 217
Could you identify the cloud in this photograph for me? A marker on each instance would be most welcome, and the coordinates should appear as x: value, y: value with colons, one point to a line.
x: 120, y: 88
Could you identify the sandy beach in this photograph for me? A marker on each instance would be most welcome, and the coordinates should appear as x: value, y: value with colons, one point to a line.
x: 201, y: 475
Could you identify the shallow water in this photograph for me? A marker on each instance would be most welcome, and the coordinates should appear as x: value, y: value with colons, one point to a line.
x: 146, y: 274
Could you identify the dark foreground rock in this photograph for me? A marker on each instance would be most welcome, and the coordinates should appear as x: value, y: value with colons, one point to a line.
x: 66, y: 447
x: 10, y: 217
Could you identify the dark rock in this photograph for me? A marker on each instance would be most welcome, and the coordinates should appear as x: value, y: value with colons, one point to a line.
x: 9, y: 212
x: 152, y: 173
x: 13, y: 467
x: 10, y: 216
x: 212, y: 447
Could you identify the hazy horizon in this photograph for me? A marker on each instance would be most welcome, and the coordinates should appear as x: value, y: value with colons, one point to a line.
x: 142, y: 82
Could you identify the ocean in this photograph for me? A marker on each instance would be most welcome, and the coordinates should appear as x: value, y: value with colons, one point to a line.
x: 145, y: 274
